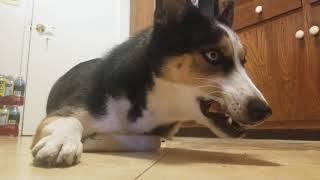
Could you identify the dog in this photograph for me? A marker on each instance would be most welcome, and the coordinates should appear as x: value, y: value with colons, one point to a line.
x: 172, y: 72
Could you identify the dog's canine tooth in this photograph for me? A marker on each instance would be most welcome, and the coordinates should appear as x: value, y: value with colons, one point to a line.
x: 230, y: 120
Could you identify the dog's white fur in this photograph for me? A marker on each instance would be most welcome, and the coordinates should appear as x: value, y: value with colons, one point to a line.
x: 62, y: 143
x: 238, y: 86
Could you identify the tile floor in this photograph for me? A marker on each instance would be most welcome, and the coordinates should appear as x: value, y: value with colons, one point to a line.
x: 183, y: 158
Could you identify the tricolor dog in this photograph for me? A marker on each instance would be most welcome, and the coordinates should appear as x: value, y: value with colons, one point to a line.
x: 188, y: 66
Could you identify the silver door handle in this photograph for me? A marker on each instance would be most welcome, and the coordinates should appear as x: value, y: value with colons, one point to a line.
x: 44, y: 30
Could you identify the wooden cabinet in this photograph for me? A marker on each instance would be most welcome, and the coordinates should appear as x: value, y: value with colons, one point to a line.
x: 314, y: 39
x: 285, y: 68
x: 311, y: 68
x: 249, y: 12
x: 275, y: 58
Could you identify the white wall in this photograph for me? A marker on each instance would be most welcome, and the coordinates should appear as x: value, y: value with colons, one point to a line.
x: 13, y: 20
x: 15, y: 23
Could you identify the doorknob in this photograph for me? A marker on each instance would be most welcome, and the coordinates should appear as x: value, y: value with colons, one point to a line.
x: 314, y: 30
x: 45, y: 30
x: 41, y: 28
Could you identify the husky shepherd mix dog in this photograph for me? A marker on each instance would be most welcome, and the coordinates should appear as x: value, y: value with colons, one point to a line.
x: 168, y: 74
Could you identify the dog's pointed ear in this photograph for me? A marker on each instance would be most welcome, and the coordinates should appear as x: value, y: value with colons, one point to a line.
x: 227, y: 12
x: 169, y: 11
x: 209, y: 8
x: 174, y: 11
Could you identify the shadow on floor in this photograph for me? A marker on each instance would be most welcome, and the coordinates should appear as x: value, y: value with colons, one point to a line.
x: 186, y: 156
x: 183, y: 156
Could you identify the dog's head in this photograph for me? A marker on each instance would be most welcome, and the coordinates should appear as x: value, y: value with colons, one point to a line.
x: 202, y: 52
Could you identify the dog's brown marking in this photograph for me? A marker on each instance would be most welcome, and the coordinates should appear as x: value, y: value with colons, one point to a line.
x: 225, y: 46
x: 189, y: 67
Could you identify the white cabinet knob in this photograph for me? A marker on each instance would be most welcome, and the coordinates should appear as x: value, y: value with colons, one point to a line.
x: 299, y: 34
x: 258, y: 9
x: 314, y: 30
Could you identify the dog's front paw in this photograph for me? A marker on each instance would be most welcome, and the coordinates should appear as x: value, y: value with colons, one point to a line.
x: 55, y: 150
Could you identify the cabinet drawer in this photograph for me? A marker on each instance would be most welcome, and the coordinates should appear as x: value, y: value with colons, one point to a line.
x: 245, y: 11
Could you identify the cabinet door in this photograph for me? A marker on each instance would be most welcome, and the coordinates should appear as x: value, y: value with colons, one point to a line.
x: 311, y: 92
x: 275, y: 58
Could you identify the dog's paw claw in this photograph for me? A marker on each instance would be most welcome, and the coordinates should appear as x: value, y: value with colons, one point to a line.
x: 57, y: 151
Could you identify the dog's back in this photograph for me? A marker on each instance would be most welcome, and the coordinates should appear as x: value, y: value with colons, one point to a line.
x: 73, y: 87
x: 88, y: 84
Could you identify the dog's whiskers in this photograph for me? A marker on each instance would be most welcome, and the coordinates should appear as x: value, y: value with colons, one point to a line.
x: 207, y: 79
x: 210, y: 86
x: 218, y: 93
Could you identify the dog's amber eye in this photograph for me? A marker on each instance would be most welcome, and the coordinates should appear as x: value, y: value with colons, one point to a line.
x: 212, y: 57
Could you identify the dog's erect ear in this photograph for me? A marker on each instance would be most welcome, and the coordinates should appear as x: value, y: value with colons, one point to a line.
x: 226, y: 12
x: 209, y: 8
x: 169, y: 11
x: 174, y: 11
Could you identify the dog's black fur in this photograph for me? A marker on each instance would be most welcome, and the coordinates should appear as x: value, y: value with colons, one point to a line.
x: 129, y: 68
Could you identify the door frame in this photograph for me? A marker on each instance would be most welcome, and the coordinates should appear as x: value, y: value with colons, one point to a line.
x: 25, y: 52
x: 138, y: 11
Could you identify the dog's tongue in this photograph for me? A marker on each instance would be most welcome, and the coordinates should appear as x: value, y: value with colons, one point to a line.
x: 215, y: 107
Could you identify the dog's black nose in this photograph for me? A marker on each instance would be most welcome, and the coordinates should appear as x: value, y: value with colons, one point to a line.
x: 258, y: 110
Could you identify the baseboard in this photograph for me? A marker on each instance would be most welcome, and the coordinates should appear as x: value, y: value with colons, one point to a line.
x: 283, y: 134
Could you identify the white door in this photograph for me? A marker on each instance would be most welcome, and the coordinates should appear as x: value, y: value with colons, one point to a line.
x: 74, y: 31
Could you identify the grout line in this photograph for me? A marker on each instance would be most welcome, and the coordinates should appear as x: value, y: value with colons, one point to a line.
x: 143, y: 172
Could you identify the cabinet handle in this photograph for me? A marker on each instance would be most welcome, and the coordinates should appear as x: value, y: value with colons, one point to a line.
x: 314, y: 30
x: 299, y: 34
x: 258, y: 9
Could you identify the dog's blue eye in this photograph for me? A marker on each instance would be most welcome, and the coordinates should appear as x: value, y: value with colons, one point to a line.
x: 212, y: 57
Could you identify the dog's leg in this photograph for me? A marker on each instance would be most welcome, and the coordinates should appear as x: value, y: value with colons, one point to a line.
x: 58, y: 141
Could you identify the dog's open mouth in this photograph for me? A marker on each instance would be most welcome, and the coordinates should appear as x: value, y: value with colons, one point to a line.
x: 219, y: 117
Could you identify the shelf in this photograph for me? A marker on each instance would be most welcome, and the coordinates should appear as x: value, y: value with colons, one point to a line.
x: 11, y: 101
x: 9, y: 130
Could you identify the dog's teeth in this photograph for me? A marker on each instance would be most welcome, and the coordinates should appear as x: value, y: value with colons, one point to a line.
x: 230, y: 120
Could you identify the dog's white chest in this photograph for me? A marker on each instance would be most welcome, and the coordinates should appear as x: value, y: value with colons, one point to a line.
x: 165, y: 105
